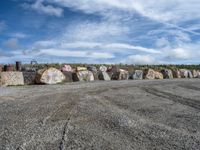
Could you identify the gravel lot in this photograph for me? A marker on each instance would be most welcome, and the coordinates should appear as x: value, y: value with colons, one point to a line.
x: 157, y: 114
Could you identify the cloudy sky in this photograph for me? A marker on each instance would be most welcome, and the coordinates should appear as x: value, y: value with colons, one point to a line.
x: 100, y: 31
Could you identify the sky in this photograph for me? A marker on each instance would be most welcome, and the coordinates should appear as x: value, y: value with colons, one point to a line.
x: 100, y: 31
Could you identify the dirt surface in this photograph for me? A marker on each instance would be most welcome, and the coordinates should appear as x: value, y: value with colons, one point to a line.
x: 159, y: 114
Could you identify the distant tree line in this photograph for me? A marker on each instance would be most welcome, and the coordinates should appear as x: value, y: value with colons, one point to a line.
x: 122, y: 66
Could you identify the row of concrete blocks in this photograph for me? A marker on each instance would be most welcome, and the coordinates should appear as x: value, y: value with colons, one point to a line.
x: 53, y: 76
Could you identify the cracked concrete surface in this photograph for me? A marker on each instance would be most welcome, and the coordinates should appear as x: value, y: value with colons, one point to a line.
x: 147, y: 114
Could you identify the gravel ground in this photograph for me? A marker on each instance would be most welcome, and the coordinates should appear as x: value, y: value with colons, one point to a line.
x: 157, y: 114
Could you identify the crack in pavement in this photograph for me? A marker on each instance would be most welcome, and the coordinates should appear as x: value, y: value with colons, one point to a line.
x: 65, y: 128
x: 61, y: 146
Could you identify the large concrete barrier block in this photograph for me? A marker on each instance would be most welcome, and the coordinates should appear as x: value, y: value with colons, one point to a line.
x: 104, y: 76
x: 84, y: 75
x: 66, y: 68
x: 158, y: 75
x: 149, y: 74
x: 68, y: 76
x: 176, y: 74
x: 81, y: 69
x: 1, y: 68
x: 49, y: 76
x: 186, y: 73
x: 196, y: 73
x: 103, y: 68
x: 29, y: 77
x: 137, y: 75
x: 92, y: 68
x: 119, y: 74
x: 11, y: 78
x: 167, y: 74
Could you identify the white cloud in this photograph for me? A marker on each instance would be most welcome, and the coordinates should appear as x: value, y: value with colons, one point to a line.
x: 171, y: 13
x: 18, y: 35
x: 12, y: 43
x: 79, y: 45
x: 194, y: 27
x: 140, y: 59
x: 44, y: 44
x: 114, y: 47
x: 179, y: 53
x: 91, y: 31
x: 2, y: 26
x: 117, y: 29
x: 44, y: 9
x: 131, y: 47
x: 160, y: 10
x: 162, y: 42
x: 79, y: 54
x: 174, y: 34
x: 107, y: 34
x: 2, y: 54
x: 184, y: 52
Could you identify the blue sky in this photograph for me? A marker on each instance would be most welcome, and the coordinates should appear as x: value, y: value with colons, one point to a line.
x: 100, y: 31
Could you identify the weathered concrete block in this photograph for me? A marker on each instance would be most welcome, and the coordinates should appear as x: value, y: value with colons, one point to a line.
x: 11, y: 78
x: 124, y: 75
x: 29, y: 78
x: 92, y: 68
x: 196, y: 73
x: 158, y: 75
x: 1, y: 68
x: 184, y: 73
x: 96, y: 75
x: 176, y: 74
x: 110, y: 74
x: 66, y: 68
x: 49, y: 76
x: 80, y: 69
x: 120, y: 75
x: 84, y: 75
x: 137, y: 75
x: 149, y: 74
x: 113, y: 69
x: 167, y: 74
x: 68, y: 76
x: 104, y: 76
x: 103, y: 68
